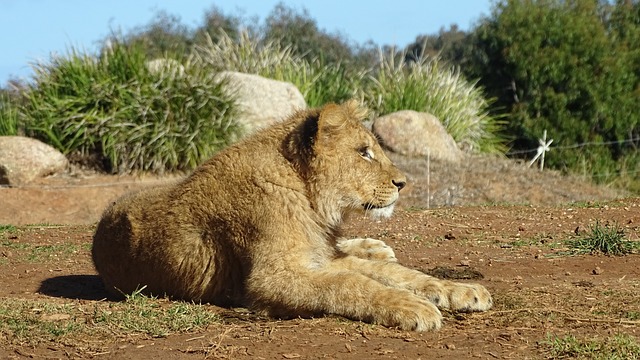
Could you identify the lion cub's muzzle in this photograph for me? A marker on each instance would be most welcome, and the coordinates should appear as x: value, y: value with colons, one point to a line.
x: 399, y: 183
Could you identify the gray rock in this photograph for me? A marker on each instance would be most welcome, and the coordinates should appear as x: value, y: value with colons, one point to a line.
x: 263, y: 101
x: 23, y: 160
x: 414, y: 133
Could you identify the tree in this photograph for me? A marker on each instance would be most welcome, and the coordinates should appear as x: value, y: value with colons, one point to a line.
x: 301, y: 32
x: 450, y: 45
x: 216, y: 21
x: 554, y: 65
x: 164, y: 36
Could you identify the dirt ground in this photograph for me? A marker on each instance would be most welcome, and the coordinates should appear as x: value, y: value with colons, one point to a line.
x: 541, y: 290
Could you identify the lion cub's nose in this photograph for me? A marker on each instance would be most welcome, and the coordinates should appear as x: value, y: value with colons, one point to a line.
x: 399, y: 184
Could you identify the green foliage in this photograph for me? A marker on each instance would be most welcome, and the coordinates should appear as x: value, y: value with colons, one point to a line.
x: 164, y: 36
x: 607, y: 239
x: 557, y: 66
x: 427, y: 85
x: 452, y: 46
x: 146, y: 315
x: 617, y: 347
x: 29, y: 322
x: 168, y: 117
x: 298, y: 30
x: 151, y: 101
x: 9, y: 228
x: 9, y: 122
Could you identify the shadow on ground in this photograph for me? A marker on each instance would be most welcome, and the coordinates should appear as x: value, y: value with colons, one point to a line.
x: 85, y: 287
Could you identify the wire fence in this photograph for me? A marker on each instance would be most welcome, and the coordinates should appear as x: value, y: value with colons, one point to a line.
x: 545, y: 146
x: 540, y: 152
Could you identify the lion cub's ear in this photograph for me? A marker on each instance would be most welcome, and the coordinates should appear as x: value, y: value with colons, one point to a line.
x: 333, y: 117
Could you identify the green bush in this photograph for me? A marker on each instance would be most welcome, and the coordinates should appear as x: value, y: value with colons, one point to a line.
x: 138, y: 119
x: 426, y: 85
x: 566, y: 67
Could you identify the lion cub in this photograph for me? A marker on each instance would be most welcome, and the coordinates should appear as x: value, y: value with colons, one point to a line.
x: 257, y: 225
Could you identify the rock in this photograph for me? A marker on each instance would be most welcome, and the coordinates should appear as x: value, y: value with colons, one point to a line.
x: 23, y: 160
x: 597, y: 271
x: 263, y: 101
x: 414, y: 133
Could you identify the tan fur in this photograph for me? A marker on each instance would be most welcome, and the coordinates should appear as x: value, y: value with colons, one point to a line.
x: 257, y: 225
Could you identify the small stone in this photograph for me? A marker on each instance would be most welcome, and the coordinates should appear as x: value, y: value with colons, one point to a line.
x: 450, y: 346
x: 597, y: 271
x: 465, y: 262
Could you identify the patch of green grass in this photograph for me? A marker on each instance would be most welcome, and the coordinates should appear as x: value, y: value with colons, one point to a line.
x: 31, y: 322
x: 44, y: 253
x: 633, y: 315
x: 607, y: 239
x: 147, y: 315
x: 617, y: 347
x: 7, y: 229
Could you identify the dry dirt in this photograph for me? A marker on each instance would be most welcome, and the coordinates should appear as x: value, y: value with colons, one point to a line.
x: 540, y: 290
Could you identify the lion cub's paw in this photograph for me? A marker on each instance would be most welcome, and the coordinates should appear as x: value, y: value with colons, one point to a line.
x: 367, y: 248
x: 456, y: 296
x: 464, y: 297
x: 409, y: 312
x: 469, y: 297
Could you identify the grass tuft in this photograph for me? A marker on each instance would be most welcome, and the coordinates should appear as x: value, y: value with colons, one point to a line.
x: 9, y: 123
x: 29, y: 322
x: 606, y: 239
x: 617, y: 347
x: 133, y: 116
x: 147, y: 315
x: 318, y: 82
x: 427, y: 85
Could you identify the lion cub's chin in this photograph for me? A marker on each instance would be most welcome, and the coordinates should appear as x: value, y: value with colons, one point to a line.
x: 384, y: 212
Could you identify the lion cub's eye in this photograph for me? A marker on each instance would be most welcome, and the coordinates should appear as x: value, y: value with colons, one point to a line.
x: 366, y: 153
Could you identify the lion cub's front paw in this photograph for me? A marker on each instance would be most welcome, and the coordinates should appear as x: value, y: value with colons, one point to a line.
x: 469, y: 297
x: 408, y: 312
x: 457, y: 296
x: 367, y: 248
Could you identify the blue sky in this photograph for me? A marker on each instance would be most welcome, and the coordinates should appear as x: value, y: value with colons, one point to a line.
x: 32, y: 30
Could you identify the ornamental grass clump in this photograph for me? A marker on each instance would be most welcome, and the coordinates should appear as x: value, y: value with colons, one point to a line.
x: 427, y: 85
x: 134, y: 117
x: 318, y: 82
x: 9, y: 124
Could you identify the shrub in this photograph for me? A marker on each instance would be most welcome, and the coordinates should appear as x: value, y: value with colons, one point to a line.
x: 134, y: 118
x: 568, y: 67
x: 318, y: 82
x: 426, y: 85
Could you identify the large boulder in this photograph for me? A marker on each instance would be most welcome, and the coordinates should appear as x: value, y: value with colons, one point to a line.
x: 262, y: 101
x: 23, y: 160
x: 415, y: 133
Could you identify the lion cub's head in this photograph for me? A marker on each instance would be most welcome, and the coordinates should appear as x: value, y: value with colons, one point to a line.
x: 345, y: 167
